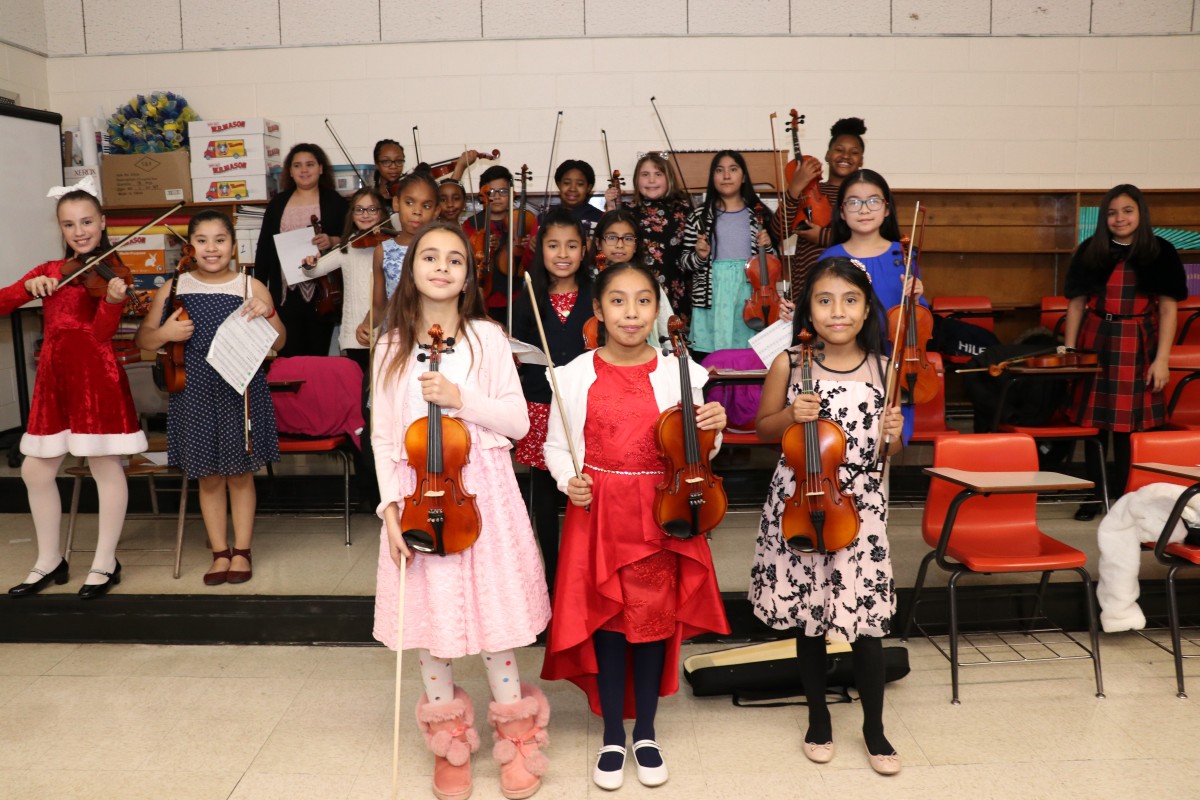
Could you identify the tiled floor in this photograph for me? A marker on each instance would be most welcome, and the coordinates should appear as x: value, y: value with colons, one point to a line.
x: 181, y: 723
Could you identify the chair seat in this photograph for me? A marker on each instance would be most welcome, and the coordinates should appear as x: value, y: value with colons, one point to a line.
x: 931, y: 436
x: 1188, y: 552
x: 1052, y: 431
x: 1024, y: 555
x: 735, y: 437
x: 289, y: 444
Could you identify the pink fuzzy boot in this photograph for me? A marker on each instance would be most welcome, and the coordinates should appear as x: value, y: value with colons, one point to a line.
x: 449, y: 730
x: 520, y: 733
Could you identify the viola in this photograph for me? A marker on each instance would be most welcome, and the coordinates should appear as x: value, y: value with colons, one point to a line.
x: 815, y: 208
x: 440, y: 517
x: 99, y: 271
x: 763, y: 271
x: 819, y: 517
x: 918, y: 378
x: 591, y: 326
x: 691, y: 500
x: 170, y: 368
x: 441, y: 169
x: 328, y: 297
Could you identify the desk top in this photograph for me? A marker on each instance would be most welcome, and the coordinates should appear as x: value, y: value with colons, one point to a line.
x: 735, y: 375
x: 1009, y: 482
x: 1054, y: 370
x: 1174, y: 470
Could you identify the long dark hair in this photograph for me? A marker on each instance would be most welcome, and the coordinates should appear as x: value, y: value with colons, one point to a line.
x: 890, y: 229
x: 211, y: 215
x: 78, y: 195
x: 627, y: 215
x: 870, y: 337
x: 1096, y: 252
x: 325, y: 182
x: 403, y: 312
x: 712, y: 198
x: 556, y: 217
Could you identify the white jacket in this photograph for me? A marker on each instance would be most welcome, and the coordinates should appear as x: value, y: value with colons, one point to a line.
x: 574, y: 381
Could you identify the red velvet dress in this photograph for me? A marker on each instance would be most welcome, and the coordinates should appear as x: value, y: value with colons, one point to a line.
x: 81, y: 401
x: 617, y: 570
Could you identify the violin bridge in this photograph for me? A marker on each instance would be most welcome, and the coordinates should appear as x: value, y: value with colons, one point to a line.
x: 693, y: 480
x: 435, y: 494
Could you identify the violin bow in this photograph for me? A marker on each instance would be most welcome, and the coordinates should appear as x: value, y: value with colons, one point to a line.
x: 97, y: 259
x: 416, y: 145
x: 511, y: 226
x: 338, y: 140
x: 607, y: 157
x: 892, y: 384
x: 562, y: 411
x: 785, y: 222
x: 246, y: 392
x: 674, y: 157
x: 549, y: 172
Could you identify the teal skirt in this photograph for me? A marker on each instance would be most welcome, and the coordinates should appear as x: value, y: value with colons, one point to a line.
x: 721, y: 327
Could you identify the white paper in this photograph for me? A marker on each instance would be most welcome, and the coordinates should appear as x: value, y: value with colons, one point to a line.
x: 292, y: 248
x: 239, y: 347
x: 789, y: 245
x: 772, y: 340
x: 527, y: 353
x: 157, y: 458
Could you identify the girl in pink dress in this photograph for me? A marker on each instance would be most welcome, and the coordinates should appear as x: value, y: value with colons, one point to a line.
x: 490, y: 598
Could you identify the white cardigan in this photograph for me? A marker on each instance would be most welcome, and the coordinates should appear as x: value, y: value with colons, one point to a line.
x: 574, y: 381
x: 356, y: 266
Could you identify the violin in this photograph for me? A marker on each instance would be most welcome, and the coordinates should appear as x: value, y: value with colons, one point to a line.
x: 372, y: 240
x: 819, y: 516
x: 763, y: 271
x: 170, y: 368
x: 591, y: 326
x: 99, y: 271
x: 815, y: 208
x: 484, y: 244
x: 328, y: 297
x: 523, y: 221
x: 440, y: 169
x: 1050, y: 359
x: 440, y: 517
x: 918, y: 378
x: 616, y: 182
x: 691, y: 499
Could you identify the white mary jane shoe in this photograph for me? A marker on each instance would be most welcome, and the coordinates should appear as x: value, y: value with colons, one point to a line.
x: 606, y: 779
x: 650, y: 776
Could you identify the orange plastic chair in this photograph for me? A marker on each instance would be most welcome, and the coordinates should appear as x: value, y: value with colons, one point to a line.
x: 1189, y: 321
x: 974, y: 309
x: 1054, y: 314
x: 929, y: 419
x: 1183, y: 388
x: 994, y: 533
x: 335, y: 445
x: 1180, y: 448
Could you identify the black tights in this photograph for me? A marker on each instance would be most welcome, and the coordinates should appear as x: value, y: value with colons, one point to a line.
x: 648, y: 661
x: 546, y: 501
x: 868, y: 678
x: 1118, y: 472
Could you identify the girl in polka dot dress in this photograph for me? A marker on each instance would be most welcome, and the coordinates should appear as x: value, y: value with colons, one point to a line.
x: 490, y: 598
x: 205, y: 422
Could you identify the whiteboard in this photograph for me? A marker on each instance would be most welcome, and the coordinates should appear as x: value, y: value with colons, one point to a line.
x: 30, y: 163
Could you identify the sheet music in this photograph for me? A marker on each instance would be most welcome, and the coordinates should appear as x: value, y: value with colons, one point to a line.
x: 239, y: 347
x: 527, y: 353
x: 772, y: 340
x: 292, y: 247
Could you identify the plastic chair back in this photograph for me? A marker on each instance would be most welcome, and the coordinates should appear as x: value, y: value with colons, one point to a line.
x: 972, y: 305
x: 929, y: 419
x: 1181, y: 448
x: 1187, y: 408
x: 1054, y: 314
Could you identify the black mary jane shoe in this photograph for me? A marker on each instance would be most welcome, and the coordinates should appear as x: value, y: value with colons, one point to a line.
x: 58, y: 576
x: 90, y: 591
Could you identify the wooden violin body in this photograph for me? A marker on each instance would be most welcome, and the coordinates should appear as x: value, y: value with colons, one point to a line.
x: 522, y: 221
x: 918, y: 378
x: 691, y: 499
x: 95, y: 279
x: 591, y: 326
x: 818, y: 517
x: 170, y: 367
x: 763, y: 271
x: 440, y: 169
x: 815, y: 208
x: 328, y: 297
x: 485, y: 247
x: 440, y: 517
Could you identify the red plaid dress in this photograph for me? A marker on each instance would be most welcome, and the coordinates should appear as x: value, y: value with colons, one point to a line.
x: 1119, y: 399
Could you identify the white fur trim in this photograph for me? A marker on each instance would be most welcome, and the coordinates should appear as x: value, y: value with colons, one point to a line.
x: 83, y: 444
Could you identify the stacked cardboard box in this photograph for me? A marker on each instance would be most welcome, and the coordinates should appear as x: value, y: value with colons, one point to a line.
x: 234, y: 159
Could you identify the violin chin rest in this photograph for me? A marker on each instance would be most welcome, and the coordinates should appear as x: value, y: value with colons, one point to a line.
x: 678, y: 528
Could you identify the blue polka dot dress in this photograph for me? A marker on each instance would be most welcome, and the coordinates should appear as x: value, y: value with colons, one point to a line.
x: 205, y: 428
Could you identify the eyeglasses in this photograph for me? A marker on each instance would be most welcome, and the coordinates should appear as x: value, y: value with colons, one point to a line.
x: 367, y: 209
x: 612, y: 238
x: 497, y: 193
x: 391, y: 162
x: 854, y: 204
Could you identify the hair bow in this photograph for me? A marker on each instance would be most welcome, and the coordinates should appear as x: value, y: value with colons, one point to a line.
x: 87, y: 184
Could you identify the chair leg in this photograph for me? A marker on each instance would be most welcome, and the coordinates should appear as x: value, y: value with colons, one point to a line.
x: 153, y: 495
x: 75, y: 489
x: 951, y: 585
x: 1039, y: 601
x: 345, y: 491
x: 912, y: 610
x: 1103, y: 469
x: 183, y: 497
x: 1176, y: 637
x: 1093, y: 627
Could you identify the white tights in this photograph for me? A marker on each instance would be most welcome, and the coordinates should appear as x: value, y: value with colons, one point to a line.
x: 438, y: 676
x: 45, y: 505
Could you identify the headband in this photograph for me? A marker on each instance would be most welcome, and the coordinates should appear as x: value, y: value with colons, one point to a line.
x: 87, y: 184
x: 863, y: 267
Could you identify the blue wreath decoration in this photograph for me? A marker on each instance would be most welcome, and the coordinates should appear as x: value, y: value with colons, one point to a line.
x: 153, y: 123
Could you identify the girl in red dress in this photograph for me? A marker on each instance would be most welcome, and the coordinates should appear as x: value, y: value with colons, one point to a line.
x: 81, y: 401
x: 1123, y: 283
x: 627, y: 594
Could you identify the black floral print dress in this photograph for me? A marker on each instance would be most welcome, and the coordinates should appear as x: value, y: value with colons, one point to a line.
x: 662, y: 223
x: 851, y: 592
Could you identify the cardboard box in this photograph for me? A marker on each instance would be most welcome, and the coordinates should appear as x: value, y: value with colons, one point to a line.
x: 235, y: 167
x: 73, y: 175
x: 146, y: 180
x: 150, y: 254
x: 211, y: 127
x: 239, y: 145
x: 247, y: 187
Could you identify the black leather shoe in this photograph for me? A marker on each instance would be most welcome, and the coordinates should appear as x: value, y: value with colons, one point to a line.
x: 90, y: 591
x: 58, y: 576
x: 1087, y: 512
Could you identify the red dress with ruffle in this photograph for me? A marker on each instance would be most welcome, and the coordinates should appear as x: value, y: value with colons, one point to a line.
x: 81, y: 400
x: 617, y: 570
